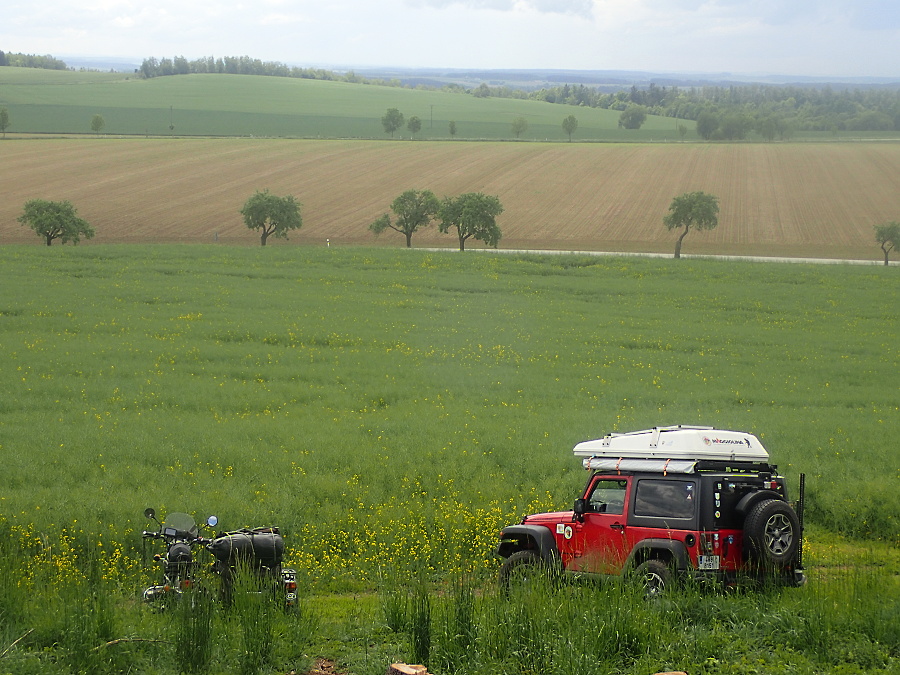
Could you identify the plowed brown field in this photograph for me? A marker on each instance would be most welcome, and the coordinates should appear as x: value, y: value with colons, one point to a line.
x: 776, y: 199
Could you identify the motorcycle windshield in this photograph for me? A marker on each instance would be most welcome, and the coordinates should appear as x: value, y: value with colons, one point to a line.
x: 182, y: 523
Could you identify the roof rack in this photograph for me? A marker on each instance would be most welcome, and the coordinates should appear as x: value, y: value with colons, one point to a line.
x: 674, y: 466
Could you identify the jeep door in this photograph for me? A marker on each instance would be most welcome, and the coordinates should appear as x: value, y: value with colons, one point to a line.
x: 600, y: 543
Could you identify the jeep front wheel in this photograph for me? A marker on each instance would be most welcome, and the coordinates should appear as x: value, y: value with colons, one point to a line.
x: 654, y: 577
x: 772, y: 531
x: 520, y: 569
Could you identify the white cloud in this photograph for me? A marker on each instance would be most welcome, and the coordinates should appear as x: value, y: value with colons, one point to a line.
x: 570, y: 7
x: 802, y: 37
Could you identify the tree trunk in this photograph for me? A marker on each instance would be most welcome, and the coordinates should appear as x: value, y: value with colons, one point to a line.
x: 50, y: 241
x: 262, y: 238
x: 462, y: 243
x: 678, y: 243
x: 408, y: 239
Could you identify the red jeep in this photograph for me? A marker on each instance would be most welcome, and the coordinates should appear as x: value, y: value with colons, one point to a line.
x: 681, y: 501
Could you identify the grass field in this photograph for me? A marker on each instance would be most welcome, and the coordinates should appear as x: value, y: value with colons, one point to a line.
x: 818, y: 200
x: 56, y: 102
x: 391, y: 409
x: 236, y: 105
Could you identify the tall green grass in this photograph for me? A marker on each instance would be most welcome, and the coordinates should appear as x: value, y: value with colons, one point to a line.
x: 390, y: 410
x: 384, y: 406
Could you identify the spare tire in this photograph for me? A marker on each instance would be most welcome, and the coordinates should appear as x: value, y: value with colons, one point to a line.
x: 772, y: 532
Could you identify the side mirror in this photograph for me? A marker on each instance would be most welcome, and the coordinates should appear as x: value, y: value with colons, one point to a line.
x: 580, y: 509
x: 149, y: 514
x: 212, y: 521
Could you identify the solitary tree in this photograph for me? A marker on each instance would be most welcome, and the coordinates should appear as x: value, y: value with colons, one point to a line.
x: 452, y: 128
x: 4, y: 120
x: 633, y: 117
x: 888, y: 236
x: 391, y: 121
x: 692, y: 209
x: 474, y: 216
x: 569, y: 125
x: 414, y: 125
x: 271, y: 215
x: 55, y: 220
x: 519, y: 126
x: 97, y: 123
x: 415, y: 209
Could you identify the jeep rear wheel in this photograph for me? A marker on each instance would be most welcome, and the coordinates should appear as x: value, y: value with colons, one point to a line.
x: 772, y: 531
x: 520, y: 569
x: 654, y: 577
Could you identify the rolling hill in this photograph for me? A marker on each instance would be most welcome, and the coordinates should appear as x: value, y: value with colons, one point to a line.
x: 63, y: 102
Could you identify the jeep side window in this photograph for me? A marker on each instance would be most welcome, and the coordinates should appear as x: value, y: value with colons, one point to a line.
x: 665, y: 498
x: 608, y: 496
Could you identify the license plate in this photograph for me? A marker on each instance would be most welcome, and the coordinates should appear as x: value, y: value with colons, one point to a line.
x: 708, y: 562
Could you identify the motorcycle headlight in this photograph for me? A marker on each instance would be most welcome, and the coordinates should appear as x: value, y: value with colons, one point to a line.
x: 179, y: 553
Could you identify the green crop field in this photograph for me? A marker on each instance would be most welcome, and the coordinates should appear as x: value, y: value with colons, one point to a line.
x: 64, y: 102
x: 237, y: 105
x: 391, y: 410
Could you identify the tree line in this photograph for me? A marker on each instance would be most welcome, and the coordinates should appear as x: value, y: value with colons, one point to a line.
x: 772, y: 110
x: 31, y: 61
x: 245, y: 65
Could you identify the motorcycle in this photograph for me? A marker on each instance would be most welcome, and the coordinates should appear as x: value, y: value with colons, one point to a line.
x: 257, y: 551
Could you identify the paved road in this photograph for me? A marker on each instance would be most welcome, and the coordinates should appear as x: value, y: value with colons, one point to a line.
x: 748, y: 258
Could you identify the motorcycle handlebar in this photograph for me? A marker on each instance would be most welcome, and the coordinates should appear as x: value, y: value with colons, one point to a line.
x: 194, y: 539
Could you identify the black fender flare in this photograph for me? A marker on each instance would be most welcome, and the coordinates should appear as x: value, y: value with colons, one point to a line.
x: 535, y: 538
x: 750, y: 500
x: 648, y: 549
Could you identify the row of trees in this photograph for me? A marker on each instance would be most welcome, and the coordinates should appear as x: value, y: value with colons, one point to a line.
x: 393, y: 119
x: 31, y: 61
x: 742, y: 108
x: 245, y: 65
x: 472, y: 215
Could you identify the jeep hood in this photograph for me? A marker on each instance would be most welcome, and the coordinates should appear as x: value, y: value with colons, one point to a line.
x: 544, y: 518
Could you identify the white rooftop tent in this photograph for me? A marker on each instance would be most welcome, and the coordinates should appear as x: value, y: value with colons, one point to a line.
x: 676, y: 449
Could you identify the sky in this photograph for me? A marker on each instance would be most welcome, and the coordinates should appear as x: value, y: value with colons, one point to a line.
x: 850, y: 38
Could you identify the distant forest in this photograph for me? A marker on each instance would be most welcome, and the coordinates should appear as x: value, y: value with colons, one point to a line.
x: 31, y: 61
x: 721, y: 112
